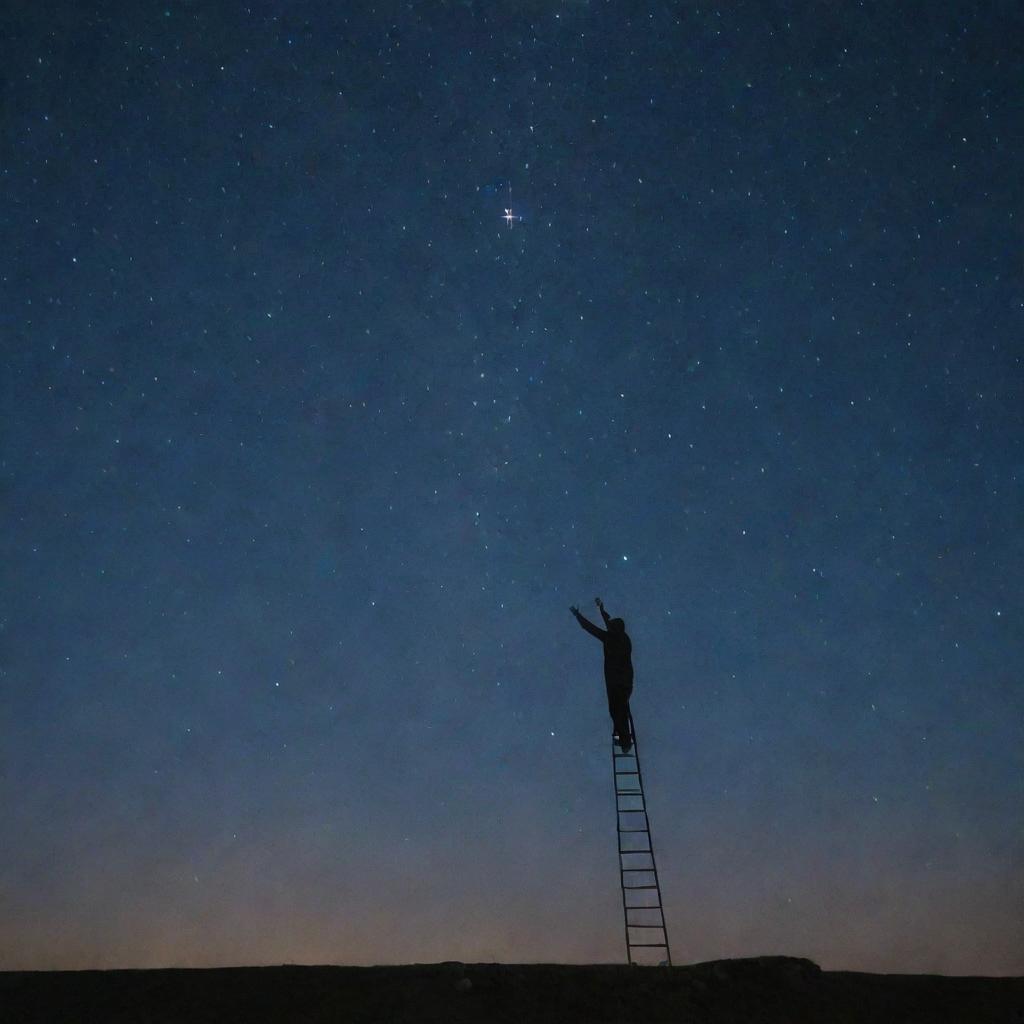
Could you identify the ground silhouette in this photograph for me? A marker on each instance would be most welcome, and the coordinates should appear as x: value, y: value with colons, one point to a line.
x: 761, y: 990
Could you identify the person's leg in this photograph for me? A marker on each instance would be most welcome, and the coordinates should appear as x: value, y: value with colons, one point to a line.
x: 611, y: 702
x: 619, y: 706
x: 626, y: 730
x: 625, y: 740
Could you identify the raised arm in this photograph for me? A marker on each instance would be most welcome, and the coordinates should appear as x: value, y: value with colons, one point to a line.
x: 604, y: 615
x: 589, y: 626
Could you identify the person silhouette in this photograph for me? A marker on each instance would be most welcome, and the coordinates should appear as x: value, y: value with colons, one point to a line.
x: 618, y: 669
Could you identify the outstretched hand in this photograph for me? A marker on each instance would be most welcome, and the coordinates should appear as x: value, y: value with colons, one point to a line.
x: 598, y: 602
x: 574, y: 609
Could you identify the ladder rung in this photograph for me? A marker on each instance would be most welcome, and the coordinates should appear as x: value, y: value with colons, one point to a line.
x: 661, y: 926
x: 634, y: 888
x: 617, y: 772
x: 648, y: 945
x: 623, y: 831
x: 629, y: 792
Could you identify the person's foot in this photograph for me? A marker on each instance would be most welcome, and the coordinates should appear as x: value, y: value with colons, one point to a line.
x: 624, y: 744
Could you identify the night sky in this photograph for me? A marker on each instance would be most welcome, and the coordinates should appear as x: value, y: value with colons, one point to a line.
x: 307, y: 451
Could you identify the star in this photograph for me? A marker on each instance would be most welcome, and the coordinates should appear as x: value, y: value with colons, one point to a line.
x: 509, y: 216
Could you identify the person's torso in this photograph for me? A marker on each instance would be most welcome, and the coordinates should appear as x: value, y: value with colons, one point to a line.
x: 618, y: 651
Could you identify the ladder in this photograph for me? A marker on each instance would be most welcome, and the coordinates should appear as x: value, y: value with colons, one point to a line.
x: 642, y: 911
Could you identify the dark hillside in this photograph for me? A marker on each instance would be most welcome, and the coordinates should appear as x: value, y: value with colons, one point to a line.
x: 761, y: 990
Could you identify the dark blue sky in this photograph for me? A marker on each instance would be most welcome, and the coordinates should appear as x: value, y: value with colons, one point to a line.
x: 306, y: 453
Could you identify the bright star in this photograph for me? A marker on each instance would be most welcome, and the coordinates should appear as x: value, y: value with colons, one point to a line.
x: 510, y: 216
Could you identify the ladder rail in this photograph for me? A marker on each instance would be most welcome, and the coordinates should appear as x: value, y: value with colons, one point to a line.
x: 637, y: 779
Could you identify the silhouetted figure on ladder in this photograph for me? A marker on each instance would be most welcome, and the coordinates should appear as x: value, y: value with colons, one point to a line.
x: 618, y: 669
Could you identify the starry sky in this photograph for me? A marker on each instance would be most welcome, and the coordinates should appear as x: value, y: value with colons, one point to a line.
x: 307, y: 451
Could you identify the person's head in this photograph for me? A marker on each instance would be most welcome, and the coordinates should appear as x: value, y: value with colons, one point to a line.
x: 616, y: 626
